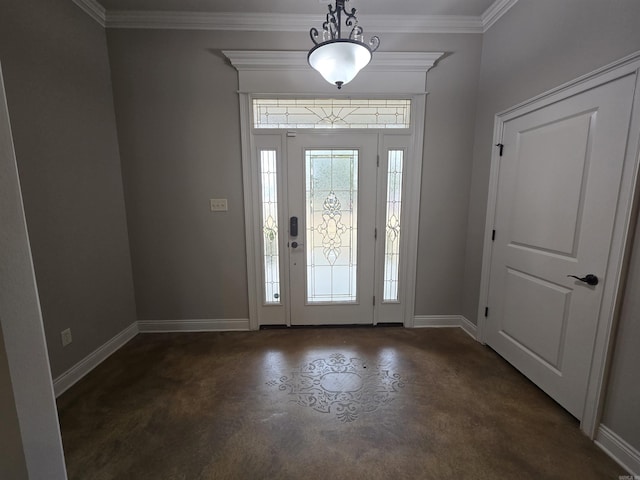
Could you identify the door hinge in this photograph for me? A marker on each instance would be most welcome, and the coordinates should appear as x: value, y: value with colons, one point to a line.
x: 486, y: 311
x: 375, y: 233
x: 291, y: 134
x: 374, y: 301
x: 501, y: 147
x: 378, y: 160
x: 493, y: 236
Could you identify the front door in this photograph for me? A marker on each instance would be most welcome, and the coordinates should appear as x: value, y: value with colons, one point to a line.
x: 558, y: 188
x: 331, y: 185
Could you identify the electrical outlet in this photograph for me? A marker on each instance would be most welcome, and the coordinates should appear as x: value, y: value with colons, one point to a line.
x: 218, y: 204
x: 66, y: 337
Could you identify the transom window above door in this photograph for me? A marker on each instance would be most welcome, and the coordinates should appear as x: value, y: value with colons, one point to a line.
x: 327, y: 113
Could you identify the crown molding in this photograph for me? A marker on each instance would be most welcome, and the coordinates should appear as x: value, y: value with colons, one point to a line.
x: 271, y: 22
x: 259, y: 60
x: 495, y: 12
x: 259, y: 22
x: 94, y: 10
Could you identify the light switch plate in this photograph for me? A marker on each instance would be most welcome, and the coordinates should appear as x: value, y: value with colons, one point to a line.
x: 218, y: 204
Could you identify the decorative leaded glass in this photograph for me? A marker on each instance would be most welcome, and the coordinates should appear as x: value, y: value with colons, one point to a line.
x: 392, y: 222
x: 269, y: 187
x: 331, y: 225
x: 331, y: 113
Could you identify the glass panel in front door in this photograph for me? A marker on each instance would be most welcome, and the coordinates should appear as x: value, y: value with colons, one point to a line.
x: 331, y: 202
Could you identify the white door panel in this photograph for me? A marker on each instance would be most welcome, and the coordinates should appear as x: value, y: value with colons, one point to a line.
x: 548, y: 190
x: 558, y: 188
x: 532, y: 309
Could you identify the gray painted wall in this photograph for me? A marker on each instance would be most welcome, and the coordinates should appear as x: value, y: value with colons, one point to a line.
x: 179, y: 132
x: 60, y: 101
x: 538, y: 45
x: 622, y: 404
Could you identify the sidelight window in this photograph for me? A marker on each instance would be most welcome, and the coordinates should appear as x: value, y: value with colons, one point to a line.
x: 269, y: 200
x: 392, y: 225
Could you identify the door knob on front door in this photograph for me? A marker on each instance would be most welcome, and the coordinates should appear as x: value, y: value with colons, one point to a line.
x: 296, y: 245
x: 589, y: 279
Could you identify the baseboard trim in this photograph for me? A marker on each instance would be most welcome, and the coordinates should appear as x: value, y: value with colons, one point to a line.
x: 623, y: 453
x: 69, y: 378
x: 445, y: 321
x: 196, y: 325
x: 470, y: 328
x: 436, y: 321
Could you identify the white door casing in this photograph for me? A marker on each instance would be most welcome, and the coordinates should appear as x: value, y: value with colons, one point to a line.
x: 21, y: 323
x: 560, y: 204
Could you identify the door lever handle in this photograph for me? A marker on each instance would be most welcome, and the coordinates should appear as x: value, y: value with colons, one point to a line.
x: 589, y: 279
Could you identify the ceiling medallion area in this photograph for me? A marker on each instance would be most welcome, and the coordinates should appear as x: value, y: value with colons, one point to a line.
x: 345, y: 387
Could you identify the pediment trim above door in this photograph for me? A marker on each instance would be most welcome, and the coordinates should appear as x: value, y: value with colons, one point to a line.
x: 287, y: 72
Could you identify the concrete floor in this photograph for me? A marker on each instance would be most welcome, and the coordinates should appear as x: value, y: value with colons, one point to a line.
x: 324, y: 403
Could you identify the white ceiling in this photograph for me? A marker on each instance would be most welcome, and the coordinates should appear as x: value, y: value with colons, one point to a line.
x: 474, y: 8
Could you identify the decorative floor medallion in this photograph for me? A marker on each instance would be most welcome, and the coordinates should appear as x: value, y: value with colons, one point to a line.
x: 346, y: 387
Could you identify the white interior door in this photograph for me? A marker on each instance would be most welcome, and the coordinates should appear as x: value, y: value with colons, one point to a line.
x: 558, y: 188
x: 331, y: 181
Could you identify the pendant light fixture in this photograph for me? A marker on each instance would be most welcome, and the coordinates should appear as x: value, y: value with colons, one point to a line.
x: 338, y: 58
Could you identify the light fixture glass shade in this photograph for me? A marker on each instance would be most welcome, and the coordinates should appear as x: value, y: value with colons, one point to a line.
x: 339, y: 61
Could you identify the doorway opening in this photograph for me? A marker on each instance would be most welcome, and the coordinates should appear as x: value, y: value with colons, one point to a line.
x: 331, y: 224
